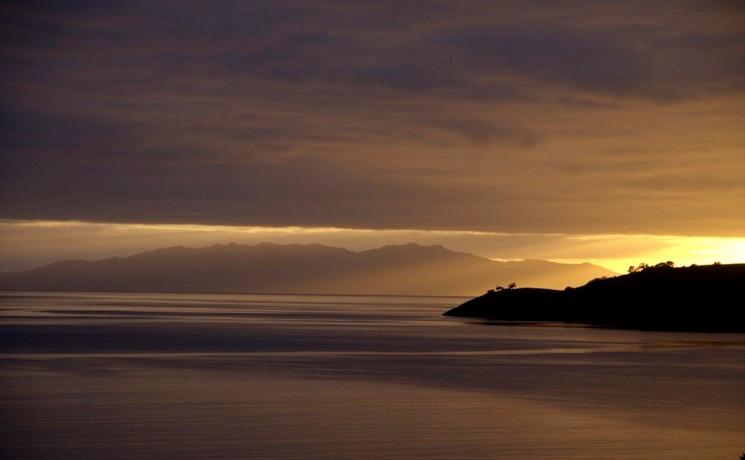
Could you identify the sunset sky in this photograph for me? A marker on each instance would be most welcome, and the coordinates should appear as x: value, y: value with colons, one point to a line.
x: 611, y: 132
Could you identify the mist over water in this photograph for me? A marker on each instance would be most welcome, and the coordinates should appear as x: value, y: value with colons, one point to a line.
x: 111, y: 375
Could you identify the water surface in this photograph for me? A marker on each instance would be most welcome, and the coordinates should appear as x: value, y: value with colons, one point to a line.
x: 110, y: 375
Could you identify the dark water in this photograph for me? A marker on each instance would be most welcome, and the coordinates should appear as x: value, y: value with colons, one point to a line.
x: 301, y: 377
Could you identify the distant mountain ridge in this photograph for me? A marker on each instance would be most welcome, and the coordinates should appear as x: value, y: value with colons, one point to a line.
x: 313, y: 268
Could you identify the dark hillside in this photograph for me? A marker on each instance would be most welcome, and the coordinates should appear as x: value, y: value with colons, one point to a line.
x: 705, y: 298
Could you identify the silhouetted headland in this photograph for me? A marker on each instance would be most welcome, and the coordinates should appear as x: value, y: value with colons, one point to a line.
x: 661, y: 297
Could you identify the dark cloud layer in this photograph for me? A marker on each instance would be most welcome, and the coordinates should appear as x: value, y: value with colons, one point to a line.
x: 549, y: 116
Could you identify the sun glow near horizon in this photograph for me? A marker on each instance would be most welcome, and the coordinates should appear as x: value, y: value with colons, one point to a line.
x: 682, y: 250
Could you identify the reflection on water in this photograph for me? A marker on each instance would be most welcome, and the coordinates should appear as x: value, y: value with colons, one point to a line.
x: 272, y: 376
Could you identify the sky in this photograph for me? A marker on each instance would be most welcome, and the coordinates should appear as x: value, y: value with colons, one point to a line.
x: 607, y: 131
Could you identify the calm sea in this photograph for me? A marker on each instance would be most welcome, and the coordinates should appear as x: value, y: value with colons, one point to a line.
x: 188, y: 376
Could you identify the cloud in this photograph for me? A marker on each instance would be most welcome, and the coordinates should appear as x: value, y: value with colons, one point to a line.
x: 436, y: 115
x: 480, y: 132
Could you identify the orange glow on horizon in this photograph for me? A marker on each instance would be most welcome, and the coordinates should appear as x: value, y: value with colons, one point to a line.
x: 28, y: 243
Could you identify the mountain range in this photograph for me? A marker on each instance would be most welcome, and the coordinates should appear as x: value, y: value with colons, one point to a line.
x: 272, y: 268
